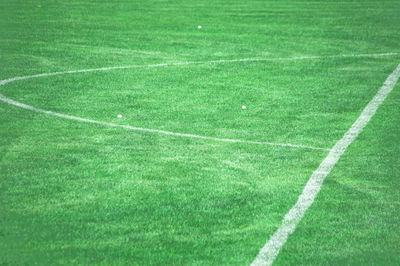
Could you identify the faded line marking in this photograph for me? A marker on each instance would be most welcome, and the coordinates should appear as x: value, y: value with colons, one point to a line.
x: 271, y: 249
x: 38, y: 110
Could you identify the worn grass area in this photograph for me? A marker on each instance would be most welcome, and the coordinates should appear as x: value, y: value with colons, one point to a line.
x: 78, y: 193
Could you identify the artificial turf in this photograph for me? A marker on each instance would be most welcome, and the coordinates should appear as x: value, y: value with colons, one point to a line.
x: 79, y: 193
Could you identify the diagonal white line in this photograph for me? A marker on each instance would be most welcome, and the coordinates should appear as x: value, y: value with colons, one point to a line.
x: 271, y: 249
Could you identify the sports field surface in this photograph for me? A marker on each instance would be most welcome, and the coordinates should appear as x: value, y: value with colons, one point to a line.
x: 123, y: 140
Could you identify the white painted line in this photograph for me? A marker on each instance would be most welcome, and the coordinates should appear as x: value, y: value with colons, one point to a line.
x: 38, y: 110
x: 271, y: 249
x: 28, y: 107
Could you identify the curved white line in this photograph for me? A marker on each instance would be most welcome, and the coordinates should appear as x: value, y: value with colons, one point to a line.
x: 3, y: 82
x: 270, y: 250
x: 38, y: 110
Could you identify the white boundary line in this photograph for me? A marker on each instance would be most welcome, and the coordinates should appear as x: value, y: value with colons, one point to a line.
x: 38, y: 110
x: 271, y: 249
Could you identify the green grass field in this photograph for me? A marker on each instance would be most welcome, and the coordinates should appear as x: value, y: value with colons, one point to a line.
x: 83, y: 193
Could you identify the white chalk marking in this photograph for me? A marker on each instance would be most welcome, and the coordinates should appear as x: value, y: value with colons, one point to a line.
x: 271, y: 249
x: 28, y: 107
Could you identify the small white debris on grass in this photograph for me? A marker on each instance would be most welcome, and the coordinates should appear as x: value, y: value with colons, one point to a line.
x: 199, y: 27
x: 244, y: 107
x: 119, y: 116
